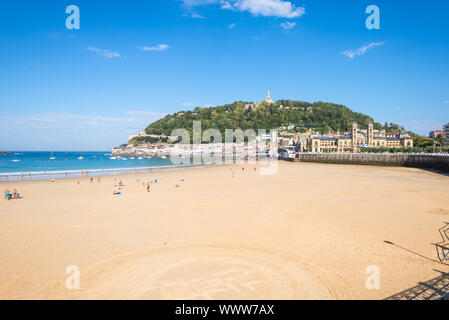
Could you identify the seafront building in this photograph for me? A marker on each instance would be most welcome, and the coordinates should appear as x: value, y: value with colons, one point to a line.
x: 356, y: 139
x: 435, y: 133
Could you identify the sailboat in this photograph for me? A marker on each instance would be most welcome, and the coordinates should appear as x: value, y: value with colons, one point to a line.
x: 52, y: 157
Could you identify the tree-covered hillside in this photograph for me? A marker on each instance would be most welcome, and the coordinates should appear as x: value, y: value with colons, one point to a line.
x: 320, y: 116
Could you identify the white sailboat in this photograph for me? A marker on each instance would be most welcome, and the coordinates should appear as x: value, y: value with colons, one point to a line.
x: 52, y: 157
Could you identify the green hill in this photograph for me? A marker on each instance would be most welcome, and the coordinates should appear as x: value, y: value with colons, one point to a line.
x: 320, y: 116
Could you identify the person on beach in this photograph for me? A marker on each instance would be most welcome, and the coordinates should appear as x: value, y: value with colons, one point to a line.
x: 7, y: 195
x: 91, y: 180
x: 148, y: 187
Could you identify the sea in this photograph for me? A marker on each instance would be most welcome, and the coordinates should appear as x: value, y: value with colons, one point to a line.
x: 56, y: 165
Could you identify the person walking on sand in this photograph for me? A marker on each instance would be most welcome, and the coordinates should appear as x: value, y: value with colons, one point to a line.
x: 148, y: 187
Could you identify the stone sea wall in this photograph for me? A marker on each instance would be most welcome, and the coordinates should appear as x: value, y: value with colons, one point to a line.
x: 425, y: 161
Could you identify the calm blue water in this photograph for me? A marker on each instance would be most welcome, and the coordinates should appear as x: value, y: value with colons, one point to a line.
x: 37, y: 165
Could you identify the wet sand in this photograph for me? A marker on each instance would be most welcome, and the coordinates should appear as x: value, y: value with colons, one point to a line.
x: 308, y: 232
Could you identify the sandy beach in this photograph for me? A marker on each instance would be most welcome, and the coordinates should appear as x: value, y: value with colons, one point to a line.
x: 308, y: 232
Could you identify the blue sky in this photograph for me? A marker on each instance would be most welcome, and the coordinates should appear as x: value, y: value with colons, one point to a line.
x: 131, y: 62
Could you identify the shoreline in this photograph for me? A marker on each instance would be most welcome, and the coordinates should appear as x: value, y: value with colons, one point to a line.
x: 73, y: 174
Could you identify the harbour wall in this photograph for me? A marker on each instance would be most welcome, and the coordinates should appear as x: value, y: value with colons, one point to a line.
x: 438, y: 162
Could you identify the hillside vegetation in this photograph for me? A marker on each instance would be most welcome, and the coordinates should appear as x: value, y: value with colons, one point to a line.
x: 319, y: 116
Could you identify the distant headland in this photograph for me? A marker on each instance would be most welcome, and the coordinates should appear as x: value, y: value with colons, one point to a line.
x: 3, y: 152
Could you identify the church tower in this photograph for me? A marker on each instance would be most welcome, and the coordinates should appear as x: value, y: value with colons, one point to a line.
x: 354, y: 136
x: 370, y: 137
x: 268, y: 100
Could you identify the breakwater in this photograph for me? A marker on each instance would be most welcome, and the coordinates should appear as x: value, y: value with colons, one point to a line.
x: 438, y: 162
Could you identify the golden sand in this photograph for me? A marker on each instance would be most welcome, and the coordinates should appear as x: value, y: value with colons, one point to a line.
x: 308, y: 232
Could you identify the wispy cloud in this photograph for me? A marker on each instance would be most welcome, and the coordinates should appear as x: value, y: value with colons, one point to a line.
x: 57, y: 35
x: 105, y: 53
x: 362, y: 50
x: 232, y: 25
x: 159, y: 47
x: 194, y: 15
x: 194, y: 104
x: 144, y: 113
x: 446, y: 101
x: 70, y: 131
x: 288, y: 25
x: 422, y: 127
x: 266, y: 8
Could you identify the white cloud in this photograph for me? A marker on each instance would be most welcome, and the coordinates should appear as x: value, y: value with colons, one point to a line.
x: 270, y: 8
x: 159, y: 47
x: 362, y: 50
x: 266, y: 8
x: 232, y: 25
x: 288, y: 25
x: 105, y: 53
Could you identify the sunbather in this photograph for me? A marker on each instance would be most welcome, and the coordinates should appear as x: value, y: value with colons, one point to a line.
x: 7, y: 195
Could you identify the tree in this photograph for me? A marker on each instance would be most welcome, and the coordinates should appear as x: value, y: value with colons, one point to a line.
x: 439, y: 140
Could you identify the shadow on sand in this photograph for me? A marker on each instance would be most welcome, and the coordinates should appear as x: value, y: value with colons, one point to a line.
x: 434, y: 289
